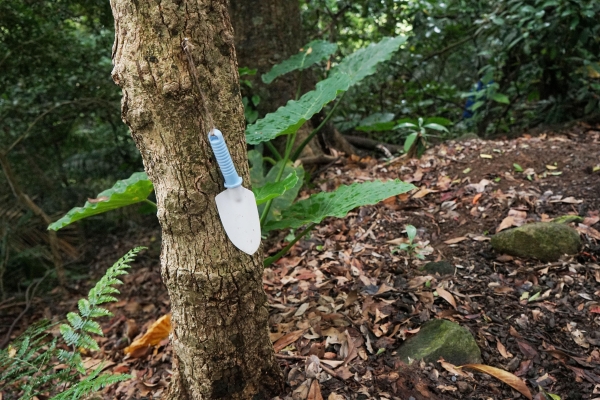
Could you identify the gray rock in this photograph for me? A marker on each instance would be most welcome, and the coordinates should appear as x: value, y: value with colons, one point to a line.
x: 441, y: 338
x: 440, y: 267
x: 546, y: 241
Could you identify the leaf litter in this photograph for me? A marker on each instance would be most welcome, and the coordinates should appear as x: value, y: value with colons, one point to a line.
x: 341, y: 302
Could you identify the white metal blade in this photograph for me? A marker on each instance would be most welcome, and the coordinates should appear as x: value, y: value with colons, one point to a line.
x: 239, y: 215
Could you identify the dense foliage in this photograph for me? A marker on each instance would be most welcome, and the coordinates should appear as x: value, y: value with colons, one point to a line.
x: 60, y: 124
x: 538, y: 60
x: 467, y: 65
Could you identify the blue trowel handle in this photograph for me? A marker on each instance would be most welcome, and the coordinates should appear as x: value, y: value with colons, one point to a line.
x: 217, y: 142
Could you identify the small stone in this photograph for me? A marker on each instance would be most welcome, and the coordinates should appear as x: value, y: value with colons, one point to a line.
x: 546, y: 241
x: 441, y: 338
x: 439, y: 267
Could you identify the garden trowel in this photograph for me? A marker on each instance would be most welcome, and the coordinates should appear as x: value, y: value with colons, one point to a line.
x: 236, y: 205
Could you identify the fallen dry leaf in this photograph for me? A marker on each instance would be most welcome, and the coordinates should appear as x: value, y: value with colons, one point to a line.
x: 314, y: 393
x: 344, y: 372
x: 579, y: 338
x: 455, y: 240
x: 505, y: 376
x: 444, y: 294
x: 158, y: 331
x: 423, y: 192
x: 453, y: 369
x: 514, y: 218
x: 528, y: 350
x: 287, y: 339
x: 502, y: 350
x: 479, y: 187
x: 513, y: 332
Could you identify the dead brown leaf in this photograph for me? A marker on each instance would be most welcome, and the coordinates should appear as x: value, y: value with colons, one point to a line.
x: 423, y: 192
x: 444, y: 294
x: 158, y: 331
x: 453, y: 369
x: 344, y: 372
x: 455, y: 240
x: 287, y: 339
x: 502, y: 350
x: 314, y: 393
x: 514, y: 218
x: 513, y: 332
x: 528, y: 350
x: 505, y: 376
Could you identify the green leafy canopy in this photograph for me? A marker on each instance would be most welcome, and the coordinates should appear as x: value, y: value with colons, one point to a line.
x: 351, y: 70
x: 132, y: 190
x: 312, y: 53
x: 337, y: 203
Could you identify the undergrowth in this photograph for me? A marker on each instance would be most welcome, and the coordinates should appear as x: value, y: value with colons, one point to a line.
x: 28, y: 366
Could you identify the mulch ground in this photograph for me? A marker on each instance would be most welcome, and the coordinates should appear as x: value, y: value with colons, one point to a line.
x: 345, y: 300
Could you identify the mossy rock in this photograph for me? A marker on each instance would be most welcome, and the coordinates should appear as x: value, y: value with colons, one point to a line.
x: 546, y: 241
x: 439, y: 267
x: 441, y: 338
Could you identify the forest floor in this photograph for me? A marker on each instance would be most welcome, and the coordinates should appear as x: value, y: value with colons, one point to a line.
x: 345, y: 297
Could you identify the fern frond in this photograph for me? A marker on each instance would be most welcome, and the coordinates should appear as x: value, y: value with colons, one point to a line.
x: 26, y: 364
x: 90, y: 384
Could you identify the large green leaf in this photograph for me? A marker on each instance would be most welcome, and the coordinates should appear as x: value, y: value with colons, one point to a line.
x: 132, y: 190
x: 260, y: 179
x: 272, y: 190
x: 337, y: 203
x: 312, y: 53
x: 289, y: 118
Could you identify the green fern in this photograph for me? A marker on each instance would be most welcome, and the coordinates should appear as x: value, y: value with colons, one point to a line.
x: 27, y: 365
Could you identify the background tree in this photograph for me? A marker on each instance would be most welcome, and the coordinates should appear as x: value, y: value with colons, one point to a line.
x: 60, y: 131
x: 266, y: 33
x: 220, y: 339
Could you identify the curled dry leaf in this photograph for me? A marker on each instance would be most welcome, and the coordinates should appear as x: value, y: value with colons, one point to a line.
x: 156, y: 333
x: 505, y: 376
x: 444, y: 294
x: 502, y: 350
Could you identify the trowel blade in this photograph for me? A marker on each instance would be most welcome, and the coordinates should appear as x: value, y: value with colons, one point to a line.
x: 239, y: 215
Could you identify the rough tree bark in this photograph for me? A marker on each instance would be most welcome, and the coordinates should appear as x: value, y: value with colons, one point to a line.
x: 220, y: 338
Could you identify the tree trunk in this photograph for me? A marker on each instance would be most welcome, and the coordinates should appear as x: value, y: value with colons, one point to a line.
x: 268, y: 32
x: 219, y: 309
